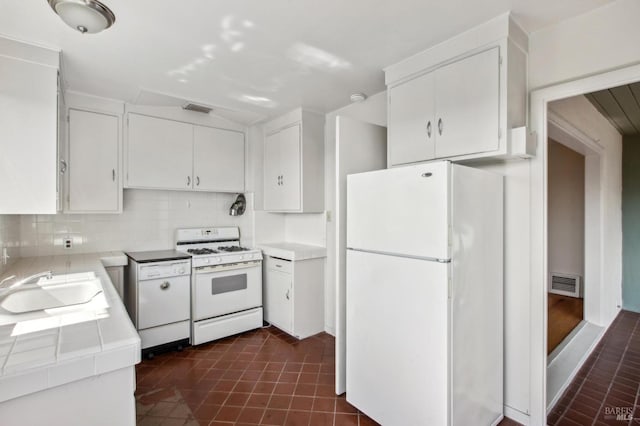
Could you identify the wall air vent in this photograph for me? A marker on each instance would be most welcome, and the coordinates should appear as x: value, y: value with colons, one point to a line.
x: 197, y: 108
x: 564, y: 284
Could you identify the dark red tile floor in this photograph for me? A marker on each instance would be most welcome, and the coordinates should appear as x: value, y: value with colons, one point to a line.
x: 607, y: 385
x: 260, y: 377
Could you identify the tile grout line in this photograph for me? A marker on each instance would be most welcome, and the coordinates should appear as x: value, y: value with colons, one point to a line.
x: 604, y: 399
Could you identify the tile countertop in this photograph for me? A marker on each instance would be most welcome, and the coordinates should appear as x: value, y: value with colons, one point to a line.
x: 69, y: 347
x: 293, y: 251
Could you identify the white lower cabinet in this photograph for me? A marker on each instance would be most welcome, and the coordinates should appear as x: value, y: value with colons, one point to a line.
x: 93, y: 169
x: 116, y: 274
x: 294, y: 295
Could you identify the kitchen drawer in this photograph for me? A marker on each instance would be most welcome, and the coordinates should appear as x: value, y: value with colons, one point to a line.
x: 163, y: 301
x: 277, y: 264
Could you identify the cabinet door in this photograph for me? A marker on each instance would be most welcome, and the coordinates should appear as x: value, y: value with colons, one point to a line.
x: 290, y: 161
x: 411, y: 131
x: 467, y: 105
x: 159, y: 153
x: 28, y: 140
x: 278, y: 300
x: 218, y: 160
x: 93, y: 162
x: 272, y: 172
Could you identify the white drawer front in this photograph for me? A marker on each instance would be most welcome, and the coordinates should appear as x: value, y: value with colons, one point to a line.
x: 276, y: 264
x: 163, y: 301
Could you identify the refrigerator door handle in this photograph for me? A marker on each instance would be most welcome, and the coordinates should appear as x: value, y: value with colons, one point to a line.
x: 408, y: 256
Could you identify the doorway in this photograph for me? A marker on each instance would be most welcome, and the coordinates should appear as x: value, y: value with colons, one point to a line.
x: 566, y: 214
x: 603, y: 229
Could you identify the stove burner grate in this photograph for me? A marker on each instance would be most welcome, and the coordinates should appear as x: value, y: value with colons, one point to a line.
x: 233, y: 248
x: 203, y: 250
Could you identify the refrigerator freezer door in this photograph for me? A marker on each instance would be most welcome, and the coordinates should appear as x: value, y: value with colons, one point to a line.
x: 402, y: 211
x: 397, y: 338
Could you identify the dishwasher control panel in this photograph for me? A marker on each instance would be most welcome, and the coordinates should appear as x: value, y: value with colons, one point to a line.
x: 172, y: 268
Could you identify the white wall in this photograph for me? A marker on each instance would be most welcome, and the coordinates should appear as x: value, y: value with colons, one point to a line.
x: 580, y: 113
x: 148, y: 222
x: 373, y: 110
x: 600, y: 40
x: 566, y: 203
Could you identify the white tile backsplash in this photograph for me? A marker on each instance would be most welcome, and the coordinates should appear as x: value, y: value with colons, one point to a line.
x: 148, y: 222
x: 9, y: 237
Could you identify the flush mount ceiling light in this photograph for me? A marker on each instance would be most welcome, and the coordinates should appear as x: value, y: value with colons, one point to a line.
x: 86, y: 16
x: 358, y: 97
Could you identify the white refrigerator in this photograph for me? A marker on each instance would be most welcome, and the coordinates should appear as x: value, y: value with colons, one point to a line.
x: 424, y: 325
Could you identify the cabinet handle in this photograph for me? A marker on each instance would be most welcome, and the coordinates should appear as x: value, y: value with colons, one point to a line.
x: 63, y: 167
x: 288, y: 294
x: 440, y: 126
x: 197, y: 180
x: 113, y: 175
x: 188, y: 180
x: 281, y: 179
x: 278, y: 266
x: 429, y: 129
x: 165, y: 285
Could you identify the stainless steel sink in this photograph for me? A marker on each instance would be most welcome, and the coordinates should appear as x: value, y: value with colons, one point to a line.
x: 55, y: 292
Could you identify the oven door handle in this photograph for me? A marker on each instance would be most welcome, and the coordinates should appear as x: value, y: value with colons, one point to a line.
x: 228, y: 267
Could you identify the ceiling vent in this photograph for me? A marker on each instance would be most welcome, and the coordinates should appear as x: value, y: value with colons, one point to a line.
x: 197, y: 108
x: 564, y: 284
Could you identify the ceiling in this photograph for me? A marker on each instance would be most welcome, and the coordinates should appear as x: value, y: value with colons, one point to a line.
x: 258, y: 58
x: 621, y: 106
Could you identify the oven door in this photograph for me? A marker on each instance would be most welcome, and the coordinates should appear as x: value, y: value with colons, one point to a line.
x: 224, y: 289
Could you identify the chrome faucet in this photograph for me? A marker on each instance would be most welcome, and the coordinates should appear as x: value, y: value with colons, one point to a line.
x: 47, y: 274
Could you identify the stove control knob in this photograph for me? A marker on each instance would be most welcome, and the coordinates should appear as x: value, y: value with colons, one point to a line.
x: 219, y: 259
x: 206, y: 261
x: 181, y: 271
x: 241, y: 257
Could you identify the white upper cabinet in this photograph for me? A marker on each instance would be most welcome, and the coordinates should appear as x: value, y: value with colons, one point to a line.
x: 28, y: 129
x: 273, y: 191
x: 159, y: 154
x: 282, y: 170
x: 467, y: 96
x: 461, y: 98
x: 412, y: 114
x: 93, y: 169
x: 294, y: 163
x: 218, y: 160
x: 169, y: 154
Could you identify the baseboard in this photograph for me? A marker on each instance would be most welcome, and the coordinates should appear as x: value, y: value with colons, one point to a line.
x: 566, y: 364
x: 516, y: 415
x: 330, y: 330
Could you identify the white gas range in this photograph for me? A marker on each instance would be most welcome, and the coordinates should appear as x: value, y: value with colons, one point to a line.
x: 226, y: 282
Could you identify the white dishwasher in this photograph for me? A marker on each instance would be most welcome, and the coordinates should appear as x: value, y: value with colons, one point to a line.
x: 158, y: 299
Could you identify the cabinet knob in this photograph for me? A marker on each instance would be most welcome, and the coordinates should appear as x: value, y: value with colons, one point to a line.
x: 287, y: 295
x: 188, y: 180
x: 113, y: 175
x: 197, y: 180
x: 440, y: 126
x: 165, y: 285
x: 429, y: 129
